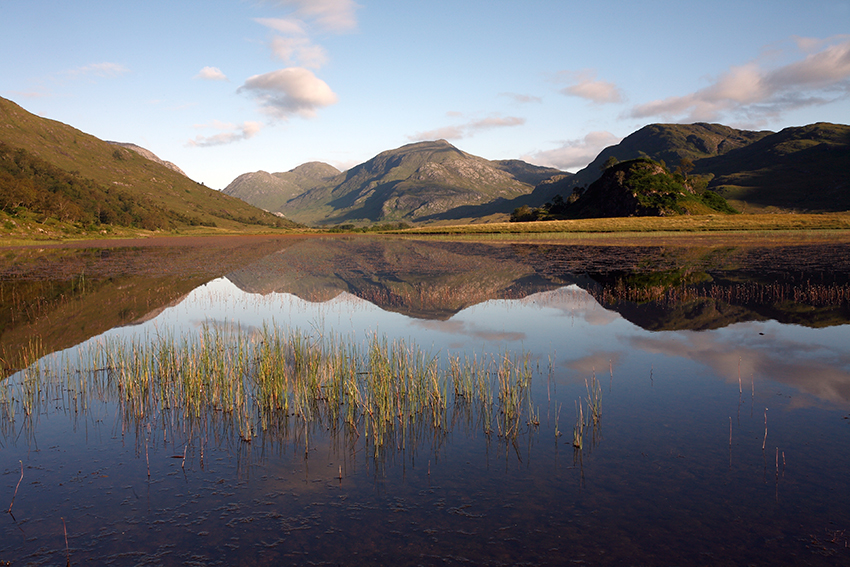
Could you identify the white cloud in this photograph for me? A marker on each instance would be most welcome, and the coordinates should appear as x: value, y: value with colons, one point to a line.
x: 330, y: 15
x: 228, y: 134
x: 468, y: 129
x: 585, y: 85
x: 574, y: 154
x: 820, y: 77
x: 289, y: 91
x: 100, y: 70
x: 211, y: 74
x: 299, y: 50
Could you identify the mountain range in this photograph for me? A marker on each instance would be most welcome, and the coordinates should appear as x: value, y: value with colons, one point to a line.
x: 800, y: 169
x: 50, y: 171
x: 417, y: 182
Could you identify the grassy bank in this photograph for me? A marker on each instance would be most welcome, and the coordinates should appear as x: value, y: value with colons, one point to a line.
x: 684, y: 223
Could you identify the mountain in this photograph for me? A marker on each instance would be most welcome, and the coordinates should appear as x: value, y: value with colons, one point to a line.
x: 420, y: 181
x: 668, y: 143
x: 271, y: 191
x: 800, y: 169
x: 149, y: 155
x: 49, y: 170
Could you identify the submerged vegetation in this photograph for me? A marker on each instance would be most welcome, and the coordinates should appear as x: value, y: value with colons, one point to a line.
x: 275, y: 381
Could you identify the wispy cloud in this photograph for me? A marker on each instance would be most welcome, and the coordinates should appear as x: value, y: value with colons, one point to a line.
x: 289, y: 91
x: 228, y: 134
x: 299, y: 50
x: 522, y: 98
x: 750, y: 90
x: 330, y: 15
x: 99, y: 70
x: 574, y: 154
x: 289, y: 26
x: 584, y: 84
x: 468, y: 129
x: 211, y: 74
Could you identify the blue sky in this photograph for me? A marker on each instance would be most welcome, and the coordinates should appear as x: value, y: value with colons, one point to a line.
x: 224, y: 87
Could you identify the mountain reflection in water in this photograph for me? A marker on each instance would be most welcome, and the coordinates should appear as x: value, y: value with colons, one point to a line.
x: 720, y: 374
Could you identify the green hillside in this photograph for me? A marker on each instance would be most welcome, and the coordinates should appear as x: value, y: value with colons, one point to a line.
x: 49, y: 170
x: 801, y: 169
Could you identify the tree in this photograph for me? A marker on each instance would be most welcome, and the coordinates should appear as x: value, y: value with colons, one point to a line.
x: 524, y: 214
x: 685, y: 167
x: 610, y: 162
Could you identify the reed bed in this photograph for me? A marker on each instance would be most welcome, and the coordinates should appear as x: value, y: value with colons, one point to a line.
x: 282, y: 383
x: 804, y: 293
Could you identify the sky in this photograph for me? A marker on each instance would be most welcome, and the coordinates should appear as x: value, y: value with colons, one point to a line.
x: 226, y: 87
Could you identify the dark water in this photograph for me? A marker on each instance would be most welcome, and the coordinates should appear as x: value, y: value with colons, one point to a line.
x: 723, y: 439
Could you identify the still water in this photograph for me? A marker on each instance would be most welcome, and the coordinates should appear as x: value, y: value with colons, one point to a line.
x: 721, y: 374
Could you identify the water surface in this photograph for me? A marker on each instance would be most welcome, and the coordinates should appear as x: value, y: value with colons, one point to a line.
x: 723, y: 371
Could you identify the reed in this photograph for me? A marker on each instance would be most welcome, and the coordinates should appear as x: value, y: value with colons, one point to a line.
x: 593, y: 418
x: 275, y: 381
x: 15, y: 495
x: 578, y: 429
x: 594, y: 399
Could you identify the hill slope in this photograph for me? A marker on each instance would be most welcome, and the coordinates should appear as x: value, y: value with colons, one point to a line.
x: 802, y: 169
x: 62, y: 160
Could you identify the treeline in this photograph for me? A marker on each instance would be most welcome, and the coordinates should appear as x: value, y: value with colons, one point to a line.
x: 30, y: 183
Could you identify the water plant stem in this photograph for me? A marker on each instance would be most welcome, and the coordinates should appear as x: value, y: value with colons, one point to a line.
x: 9, y: 511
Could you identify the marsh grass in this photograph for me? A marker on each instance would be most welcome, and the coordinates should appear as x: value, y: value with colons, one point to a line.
x: 282, y: 383
x: 592, y: 419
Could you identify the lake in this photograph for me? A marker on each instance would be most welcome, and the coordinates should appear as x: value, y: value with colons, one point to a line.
x: 362, y: 401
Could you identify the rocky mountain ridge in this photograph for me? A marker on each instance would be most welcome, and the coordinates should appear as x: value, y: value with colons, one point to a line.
x: 149, y: 155
x: 419, y: 181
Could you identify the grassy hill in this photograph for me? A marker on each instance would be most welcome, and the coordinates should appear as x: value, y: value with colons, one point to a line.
x: 51, y: 171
